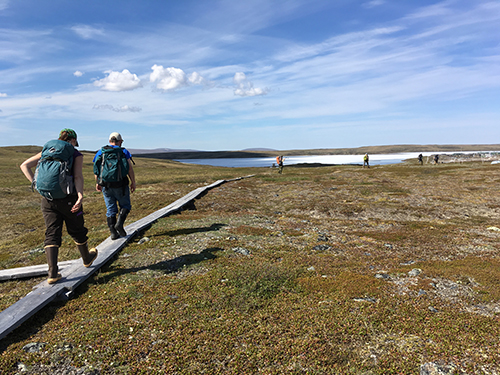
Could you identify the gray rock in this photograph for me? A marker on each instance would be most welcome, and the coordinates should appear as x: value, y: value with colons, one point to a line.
x: 433, y: 368
x: 383, y: 276
x: 241, y: 250
x: 322, y: 238
x: 322, y: 247
x: 38, y: 250
x: 415, y: 272
x: 143, y: 240
x: 34, y: 347
x: 311, y: 268
x: 366, y: 299
x: 433, y: 309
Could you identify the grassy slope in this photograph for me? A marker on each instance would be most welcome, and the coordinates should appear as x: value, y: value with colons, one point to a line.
x: 187, y: 301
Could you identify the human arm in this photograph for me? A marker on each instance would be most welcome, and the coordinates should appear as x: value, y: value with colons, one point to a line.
x: 28, y: 164
x: 131, y: 174
x: 78, y: 178
x: 97, y: 186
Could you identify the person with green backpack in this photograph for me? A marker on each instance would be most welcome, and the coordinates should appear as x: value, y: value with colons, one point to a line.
x: 112, y: 170
x: 58, y: 178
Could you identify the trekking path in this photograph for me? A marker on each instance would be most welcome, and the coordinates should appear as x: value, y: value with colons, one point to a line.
x: 74, y: 273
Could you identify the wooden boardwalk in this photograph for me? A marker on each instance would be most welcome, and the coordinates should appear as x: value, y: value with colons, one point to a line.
x: 74, y: 273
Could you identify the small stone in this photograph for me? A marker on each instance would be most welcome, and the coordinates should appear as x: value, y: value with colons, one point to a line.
x: 322, y: 247
x: 383, y: 276
x: 494, y: 229
x: 433, y: 309
x: 433, y: 368
x: 415, y: 272
x: 422, y: 292
x: 38, y: 250
x: 34, y: 347
x: 366, y: 299
x: 241, y: 250
x: 322, y: 238
x: 388, y: 245
x: 21, y: 367
x: 143, y: 240
x: 311, y: 268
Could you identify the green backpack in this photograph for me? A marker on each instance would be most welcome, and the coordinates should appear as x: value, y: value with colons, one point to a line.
x: 111, y: 167
x: 53, y: 178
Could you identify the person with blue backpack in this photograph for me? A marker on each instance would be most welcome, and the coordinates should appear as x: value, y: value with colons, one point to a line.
x: 112, y: 170
x: 58, y: 178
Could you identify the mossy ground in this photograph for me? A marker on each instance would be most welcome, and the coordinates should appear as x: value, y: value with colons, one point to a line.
x: 187, y: 301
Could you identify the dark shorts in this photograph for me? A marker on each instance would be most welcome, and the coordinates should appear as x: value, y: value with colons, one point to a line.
x: 57, y: 212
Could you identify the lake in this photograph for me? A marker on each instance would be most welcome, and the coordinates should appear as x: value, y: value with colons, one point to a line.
x: 375, y: 159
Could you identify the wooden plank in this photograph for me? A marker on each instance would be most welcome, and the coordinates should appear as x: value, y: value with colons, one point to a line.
x: 75, y: 273
x: 31, y: 271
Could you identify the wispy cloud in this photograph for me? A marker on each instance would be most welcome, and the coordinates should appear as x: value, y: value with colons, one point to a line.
x: 78, y: 73
x: 3, y: 95
x: 87, y: 31
x: 374, y: 3
x: 124, y: 108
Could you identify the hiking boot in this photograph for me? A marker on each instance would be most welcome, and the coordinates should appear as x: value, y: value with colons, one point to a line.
x: 111, y: 225
x: 52, y: 252
x: 88, y: 257
x: 122, y: 216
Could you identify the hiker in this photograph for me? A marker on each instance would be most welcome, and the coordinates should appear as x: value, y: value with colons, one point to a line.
x: 61, y: 203
x: 436, y: 159
x: 365, y: 161
x: 112, y: 170
x: 279, y: 160
x: 421, y: 159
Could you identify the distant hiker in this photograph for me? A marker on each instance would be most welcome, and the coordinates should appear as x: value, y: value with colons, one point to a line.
x: 112, y: 169
x: 279, y: 160
x: 365, y: 161
x: 436, y: 159
x: 59, y: 179
x: 421, y: 159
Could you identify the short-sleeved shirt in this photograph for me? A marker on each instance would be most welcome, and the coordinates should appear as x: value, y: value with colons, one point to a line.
x: 127, y: 154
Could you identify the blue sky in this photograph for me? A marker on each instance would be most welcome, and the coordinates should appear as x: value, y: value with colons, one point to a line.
x: 231, y: 75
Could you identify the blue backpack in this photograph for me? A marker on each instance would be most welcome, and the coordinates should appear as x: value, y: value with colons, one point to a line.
x: 53, y: 177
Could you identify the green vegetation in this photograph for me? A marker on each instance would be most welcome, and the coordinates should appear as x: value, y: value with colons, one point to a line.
x: 317, y: 271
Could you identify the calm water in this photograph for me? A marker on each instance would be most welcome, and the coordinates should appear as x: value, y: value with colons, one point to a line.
x: 378, y: 159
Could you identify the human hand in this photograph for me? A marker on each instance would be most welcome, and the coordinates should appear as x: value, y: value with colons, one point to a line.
x: 76, y: 207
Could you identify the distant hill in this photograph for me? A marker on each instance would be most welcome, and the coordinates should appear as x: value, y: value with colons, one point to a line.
x: 137, y: 151
x: 261, y: 152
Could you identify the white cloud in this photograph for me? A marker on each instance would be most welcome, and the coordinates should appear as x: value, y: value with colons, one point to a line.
x: 78, y: 73
x: 3, y: 95
x: 124, y: 108
x: 117, y: 81
x: 169, y: 79
x: 196, y: 79
x: 87, y: 32
x: 245, y: 88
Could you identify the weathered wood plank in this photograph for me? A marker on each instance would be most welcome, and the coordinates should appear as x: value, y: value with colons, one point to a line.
x: 30, y: 271
x: 75, y: 273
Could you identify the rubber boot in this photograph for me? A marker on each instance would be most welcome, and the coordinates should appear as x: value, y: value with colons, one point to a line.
x: 87, y: 256
x: 111, y: 225
x: 52, y: 252
x: 122, y: 216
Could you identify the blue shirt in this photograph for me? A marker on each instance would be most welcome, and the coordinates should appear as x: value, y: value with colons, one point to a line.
x: 127, y: 154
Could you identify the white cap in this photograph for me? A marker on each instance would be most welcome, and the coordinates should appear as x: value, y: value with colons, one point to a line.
x: 116, y: 136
